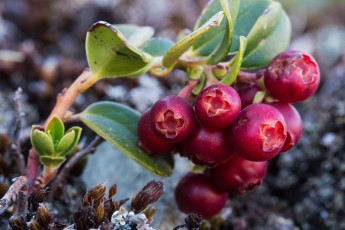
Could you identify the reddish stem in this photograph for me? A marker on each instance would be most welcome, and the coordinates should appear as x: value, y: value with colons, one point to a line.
x: 188, y: 88
x: 250, y: 77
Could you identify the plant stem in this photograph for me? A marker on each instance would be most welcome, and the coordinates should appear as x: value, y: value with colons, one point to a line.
x: 187, y: 89
x: 247, y: 77
x: 20, y: 184
x: 64, y: 100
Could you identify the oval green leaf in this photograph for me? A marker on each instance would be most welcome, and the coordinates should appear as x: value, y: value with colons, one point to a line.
x: 69, y: 141
x: 117, y: 124
x: 157, y: 47
x: 110, y: 55
x: 182, y: 46
x: 42, y: 143
x: 269, y: 36
x: 135, y: 35
x: 243, y: 18
x: 230, y: 8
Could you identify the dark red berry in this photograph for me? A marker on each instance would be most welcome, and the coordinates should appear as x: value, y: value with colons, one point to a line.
x: 148, y: 140
x: 247, y: 94
x: 207, y: 146
x: 293, y: 121
x: 217, y: 106
x: 195, y: 193
x: 238, y: 175
x: 172, y: 118
x: 292, y: 76
x: 259, y: 132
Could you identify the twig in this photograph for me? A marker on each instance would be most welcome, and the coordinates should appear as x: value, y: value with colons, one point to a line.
x: 76, y: 158
x: 187, y: 89
x: 14, y: 132
x: 19, y: 186
x: 250, y: 77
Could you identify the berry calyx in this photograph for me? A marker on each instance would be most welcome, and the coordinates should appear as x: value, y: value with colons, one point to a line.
x: 217, y: 106
x: 148, y: 140
x: 207, y: 146
x: 172, y: 118
x: 238, y: 175
x: 292, y: 76
x: 259, y: 132
x: 293, y: 121
x: 196, y: 193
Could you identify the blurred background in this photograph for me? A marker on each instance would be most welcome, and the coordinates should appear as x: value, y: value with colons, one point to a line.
x: 42, y: 51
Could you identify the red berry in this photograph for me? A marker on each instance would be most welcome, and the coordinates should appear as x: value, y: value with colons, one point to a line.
x: 195, y: 193
x: 238, y: 175
x: 293, y: 121
x: 172, y: 118
x: 292, y: 76
x: 217, y: 106
x: 207, y: 146
x: 259, y: 132
x: 247, y: 94
x: 148, y: 140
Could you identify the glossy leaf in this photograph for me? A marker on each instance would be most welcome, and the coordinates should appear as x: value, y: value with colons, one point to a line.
x: 269, y: 36
x: 157, y: 46
x: 236, y: 62
x: 182, y: 46
x: 243, y: 16
x: 110, y: 55
x: 230, y: 8
x: 117, y: 124
x: 135, y: 35
x: 56, y: 129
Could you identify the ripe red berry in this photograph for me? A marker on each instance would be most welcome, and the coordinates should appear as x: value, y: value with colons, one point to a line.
x: 259, y: 132
x: 207, y: 146
x: 293, y: 121
x: 217, y: 106
x: 238, y: 175
x: 172, y: 118
x: 195, y: 193
x: 247, y: 94
x: 292, y: 76
x: 148, y: 140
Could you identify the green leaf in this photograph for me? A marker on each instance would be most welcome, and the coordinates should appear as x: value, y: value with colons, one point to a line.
x: 157, y: 47
x: 52, y: 162
x: 118, y: 125
x: 269, y: 36
x: 42, y: 143
x: 243, y: 17
x: 110, y: 55
x: 69, y: 141
x: 230, y: 8
x: 135, y: 35
x: 182, y: 46
x: 200, y: 85
x: 56, y: 129
x: 231, y: 76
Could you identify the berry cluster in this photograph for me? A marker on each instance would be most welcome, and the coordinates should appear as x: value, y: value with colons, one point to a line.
x: 229, y: 134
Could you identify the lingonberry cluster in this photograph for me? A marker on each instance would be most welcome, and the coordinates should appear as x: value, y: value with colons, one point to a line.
x: 229, y: 134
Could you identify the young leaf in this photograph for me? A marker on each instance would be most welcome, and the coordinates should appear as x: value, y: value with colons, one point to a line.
x: 52, y: 162
x: 135, y: 35
x: 56, y: 129
x: 69, y: 141
x: 118, y: 125
x: 157, y: 47
x: 231, y: 76
x: 182, y: 46
x: 42, y: 143
x: 110, y: 55
x: 230, y: 8
x: 269, y: 36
